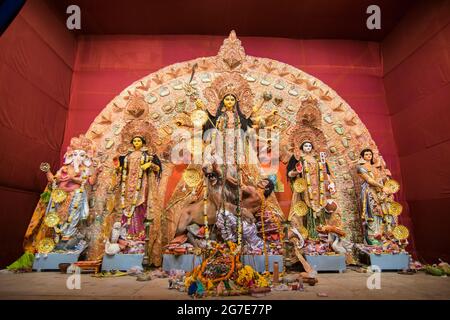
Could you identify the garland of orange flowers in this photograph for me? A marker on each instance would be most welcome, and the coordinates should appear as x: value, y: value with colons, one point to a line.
x: 321, y: 182
x: 138, y: 186
x: 223, y: 278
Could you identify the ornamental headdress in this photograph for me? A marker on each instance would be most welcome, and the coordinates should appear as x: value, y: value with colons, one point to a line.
x: 225, y: 84
x: 133, y: 129
x: 80, y: 152
x: 308, y: 129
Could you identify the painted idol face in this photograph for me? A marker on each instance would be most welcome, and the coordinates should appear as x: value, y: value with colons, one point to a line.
x: 229, y: 101
x: 368, y: 156
x: 307, y: 147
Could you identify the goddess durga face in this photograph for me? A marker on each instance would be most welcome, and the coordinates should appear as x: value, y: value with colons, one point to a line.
x: 229, y: 101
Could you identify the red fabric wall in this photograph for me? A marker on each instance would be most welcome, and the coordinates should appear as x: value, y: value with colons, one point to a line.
x: 36, y: 61
x: 41, y: 86
x: 416, y: 78
x: 105, y: 65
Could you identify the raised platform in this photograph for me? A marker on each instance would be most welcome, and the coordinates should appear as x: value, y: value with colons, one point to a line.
x: 51, y: 261
x: 258, y: 262
x: 187, y: 262
x: 386, y: 262
x: 122, y: 262
x: 327, y: 263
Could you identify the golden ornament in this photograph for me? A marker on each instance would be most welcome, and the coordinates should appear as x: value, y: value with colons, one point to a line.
x: 59, y: 195
x: 300, y: 208
x: 51, y: 220
x: 199, y: 117
x: 299, y: 185
x: 192, y: 177
x: 304, y: 232
x: 395, y: 208
x: 400, y: 232
x: 45, y: 167
x: 392, y: 186
x: 46, y: 245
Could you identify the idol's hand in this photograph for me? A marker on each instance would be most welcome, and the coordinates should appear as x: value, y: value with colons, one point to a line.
x: 146, y: 166
x: 293, y: 173
x: 199, y: 104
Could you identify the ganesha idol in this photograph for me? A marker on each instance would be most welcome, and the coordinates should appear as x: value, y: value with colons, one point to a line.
x: 57, y: 222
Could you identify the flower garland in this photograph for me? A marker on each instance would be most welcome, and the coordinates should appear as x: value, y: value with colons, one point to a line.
x: 238, y: 208
x: 306, y: 171
x: 130, y: 213
x: 205, y: 209
x: 263, y: 208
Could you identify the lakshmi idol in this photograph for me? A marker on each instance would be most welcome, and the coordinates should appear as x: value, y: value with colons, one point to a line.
x: 56, y: 222
x: 135, y: 165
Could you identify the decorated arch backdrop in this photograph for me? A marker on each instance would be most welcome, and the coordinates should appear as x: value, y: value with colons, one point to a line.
x: 159, y: 97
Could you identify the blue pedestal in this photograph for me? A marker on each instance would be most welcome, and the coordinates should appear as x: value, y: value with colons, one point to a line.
x: 327, y: 263
x: 388, y: 262
x: 258, y: 262
x: 51, y: 261
x: 122, y: 262
x: 185, y: 262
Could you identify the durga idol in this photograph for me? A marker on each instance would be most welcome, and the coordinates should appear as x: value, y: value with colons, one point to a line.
x: 228, y: 154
